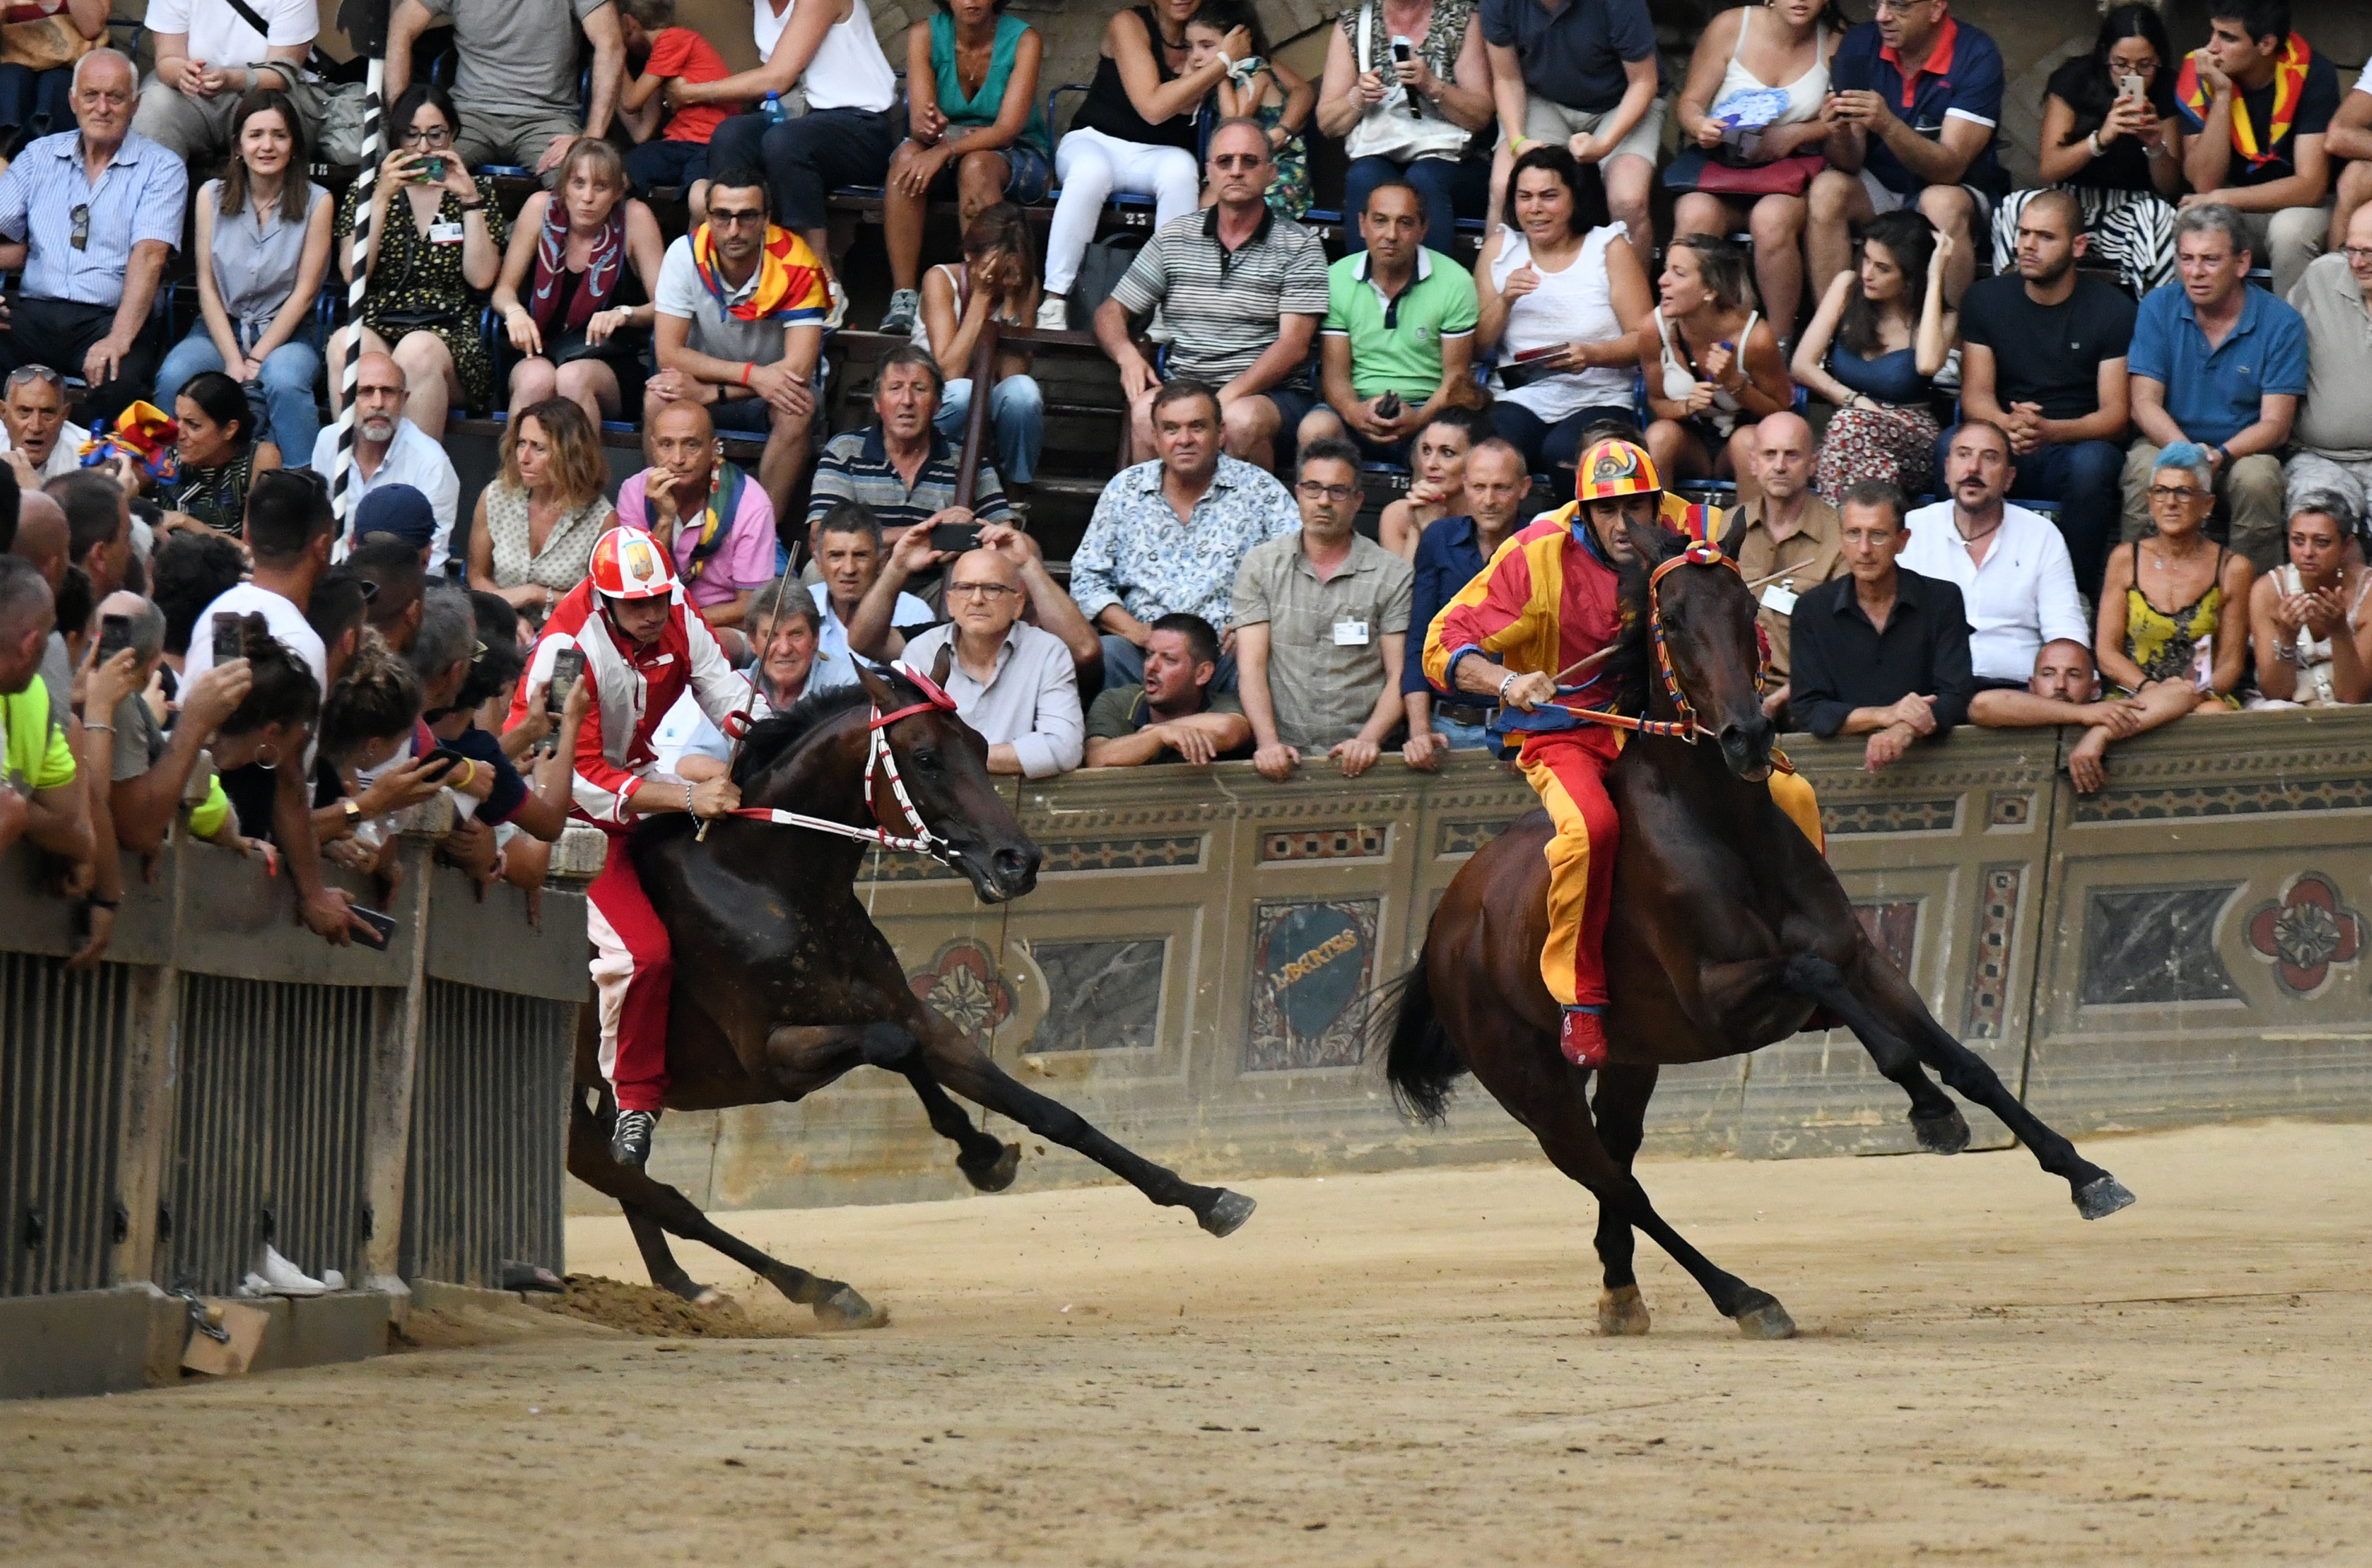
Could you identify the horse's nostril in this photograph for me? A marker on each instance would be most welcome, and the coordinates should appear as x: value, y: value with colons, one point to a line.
x: 1013, y: 865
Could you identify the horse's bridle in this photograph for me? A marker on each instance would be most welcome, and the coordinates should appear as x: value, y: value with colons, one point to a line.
x: 1687, y: 728
x: 921, y: 840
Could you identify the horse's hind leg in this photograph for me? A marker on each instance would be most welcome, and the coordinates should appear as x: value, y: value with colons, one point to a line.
x: 1895, y: 1023
x: 1621, y: 1113
x: 1557, y: 1111
x: 988, y: 1164
x: 836, y: 1305
x: 658, y: 1258
x: 955, y: 1061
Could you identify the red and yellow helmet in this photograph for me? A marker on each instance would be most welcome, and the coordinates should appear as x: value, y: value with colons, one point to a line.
x: 629, y: 563
x: 1613, y: 468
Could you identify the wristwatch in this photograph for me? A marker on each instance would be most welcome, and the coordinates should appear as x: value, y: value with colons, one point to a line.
x: 354, y: 812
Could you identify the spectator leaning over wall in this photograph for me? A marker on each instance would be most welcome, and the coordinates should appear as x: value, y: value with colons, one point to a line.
x: 289, y: 527
x: 40, y: 799
x: 1013, y: 682
x: 2063, y: 689
x: 1322, y: 624
x: 150, y: 768
x: 1174, y: 716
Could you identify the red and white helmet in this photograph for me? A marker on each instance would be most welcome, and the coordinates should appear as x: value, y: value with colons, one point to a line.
x: 629, y: 563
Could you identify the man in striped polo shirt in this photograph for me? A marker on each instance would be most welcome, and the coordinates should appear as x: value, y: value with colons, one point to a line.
x: 91, y: 215
x: 1242, y: 291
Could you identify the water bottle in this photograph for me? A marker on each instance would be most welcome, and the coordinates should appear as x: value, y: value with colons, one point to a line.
x: 774, y: 110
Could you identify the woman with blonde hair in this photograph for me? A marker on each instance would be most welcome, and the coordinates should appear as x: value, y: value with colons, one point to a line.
x: 535, y: 523
x: 575, y: 294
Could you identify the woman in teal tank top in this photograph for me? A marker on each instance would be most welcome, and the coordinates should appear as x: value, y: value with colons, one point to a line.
x: 975, y: 131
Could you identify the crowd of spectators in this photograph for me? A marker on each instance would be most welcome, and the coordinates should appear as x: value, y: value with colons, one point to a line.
x: 2120, y: 481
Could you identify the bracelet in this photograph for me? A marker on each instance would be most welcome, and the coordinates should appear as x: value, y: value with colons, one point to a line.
x: 471, y: 777
x: 687, y: 796
x: 477, y: 206
x: 109, y: 728
x: 94, y: 902
x: 1502, y: 688
x: 2093, y: 142
x: 747, y: 366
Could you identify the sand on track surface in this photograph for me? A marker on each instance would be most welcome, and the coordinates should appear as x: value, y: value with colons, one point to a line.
x: 1396, y: 1369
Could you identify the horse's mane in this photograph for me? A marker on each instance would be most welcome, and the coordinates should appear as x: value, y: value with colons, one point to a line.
x: 1628, y: 668
x: 773, y: 736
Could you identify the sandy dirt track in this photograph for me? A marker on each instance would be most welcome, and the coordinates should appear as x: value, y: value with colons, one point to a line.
x: 1388, y: 1369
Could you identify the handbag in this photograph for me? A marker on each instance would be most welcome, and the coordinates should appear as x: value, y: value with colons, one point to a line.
x: 1387, y: 129
x: 1695, y: 170
x: 48, y: 45
x: 333, y: 110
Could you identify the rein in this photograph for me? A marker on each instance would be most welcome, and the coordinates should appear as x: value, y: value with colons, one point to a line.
x: 1688, y: 726
x: 879, y: 757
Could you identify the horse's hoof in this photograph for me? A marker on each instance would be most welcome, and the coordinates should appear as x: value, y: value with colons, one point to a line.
x: 1945, y: 1134
x: 1765, y: 1320
x: 1227, y: 1214
x: 843, y: 1309
x: 1620, y: 1312
x: 997, y: 1174
x: 2102, y: 1196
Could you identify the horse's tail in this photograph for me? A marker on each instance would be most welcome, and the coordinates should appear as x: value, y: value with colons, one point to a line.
x: 1420, y: 1063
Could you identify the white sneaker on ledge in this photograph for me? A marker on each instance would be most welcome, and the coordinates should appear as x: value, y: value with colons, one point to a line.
x: 1053, y: 314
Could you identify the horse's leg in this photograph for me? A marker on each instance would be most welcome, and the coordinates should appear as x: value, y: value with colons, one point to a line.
x: 658, y: 1259
x: 1556, y: 1109
x: 1621, y: 1113
x: 836, y: 1305
x: 1894, y: 1023
x: 988, y: 1165
x: 964, y: 1068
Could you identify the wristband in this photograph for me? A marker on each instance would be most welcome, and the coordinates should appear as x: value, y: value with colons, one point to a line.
x: 2223, y: 454
x: 687, y: 798
x: 109, y: 728
x: 477, y: 206
x: 2093, y: 142
x: 471, y: 777
x: 747, y: 366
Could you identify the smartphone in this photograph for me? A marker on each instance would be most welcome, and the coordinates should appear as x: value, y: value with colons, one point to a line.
x: 226, y: 644
x: 958, y: 536
x: 432, y: 169
x: 1403, y: 52
x: 382, y: 928
x: 443, y: 761
x: 567, y: 668
x: 1389, y: 406
x: 114, y: 635
x: 2131, y: 87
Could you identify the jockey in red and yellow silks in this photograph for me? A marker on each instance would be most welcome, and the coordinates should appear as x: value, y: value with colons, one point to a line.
x: 1548, y: 600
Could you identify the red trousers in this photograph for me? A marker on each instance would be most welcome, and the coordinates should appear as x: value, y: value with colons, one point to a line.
x: 634, y: 966
x: 1568, y: 769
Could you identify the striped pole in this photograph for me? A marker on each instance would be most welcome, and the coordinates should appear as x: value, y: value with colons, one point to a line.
x: 342, y: 487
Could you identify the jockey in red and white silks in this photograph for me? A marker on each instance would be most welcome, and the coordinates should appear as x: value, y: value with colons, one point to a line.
x: 645, y: 644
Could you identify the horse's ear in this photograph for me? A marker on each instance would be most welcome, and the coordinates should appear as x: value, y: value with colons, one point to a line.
x: 883, y: 694
x: 944, y: 663
x: 1733, y: 537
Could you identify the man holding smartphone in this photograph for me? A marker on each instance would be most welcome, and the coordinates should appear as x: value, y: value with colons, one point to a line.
x: 643, y: 647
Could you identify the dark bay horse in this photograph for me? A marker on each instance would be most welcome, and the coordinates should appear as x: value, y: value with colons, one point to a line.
x: 783, y: 983
x: 1728, y: 930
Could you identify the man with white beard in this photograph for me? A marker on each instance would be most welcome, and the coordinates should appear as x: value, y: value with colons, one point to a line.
x: 391, y: 449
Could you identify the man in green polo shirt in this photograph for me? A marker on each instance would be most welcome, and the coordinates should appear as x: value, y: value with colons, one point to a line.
x: 1400, y: 324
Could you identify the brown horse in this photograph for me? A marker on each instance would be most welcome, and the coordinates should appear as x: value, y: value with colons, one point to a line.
x: 1728, y: 930
x: 782, y: 982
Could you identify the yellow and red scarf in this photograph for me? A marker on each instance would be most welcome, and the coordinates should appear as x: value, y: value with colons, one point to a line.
x: 2192, y: 96
x: 790, y: 282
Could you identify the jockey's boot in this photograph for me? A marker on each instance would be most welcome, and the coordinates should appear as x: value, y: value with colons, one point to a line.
x: 1582, y: 1035
x: 630, y: 1141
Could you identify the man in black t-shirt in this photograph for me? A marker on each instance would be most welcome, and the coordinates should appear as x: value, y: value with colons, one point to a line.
x: 2255, y: 104
x: 2042, y: 355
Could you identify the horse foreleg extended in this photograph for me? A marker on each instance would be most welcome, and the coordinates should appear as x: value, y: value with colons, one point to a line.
x: 658, y: 1258
x: 836, y: 1305
x: 1895, y: 1023
x: 961, y: 1066
x: 1621, y: 1112
x: 1556, y: 1109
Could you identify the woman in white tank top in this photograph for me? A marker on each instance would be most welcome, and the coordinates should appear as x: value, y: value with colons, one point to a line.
x: 825, y: 50
x: 1767, y: 65
x: 1555, y: 287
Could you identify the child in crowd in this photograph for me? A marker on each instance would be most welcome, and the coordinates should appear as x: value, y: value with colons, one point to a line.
x: 1258, y: 88
x: 680, y: 155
